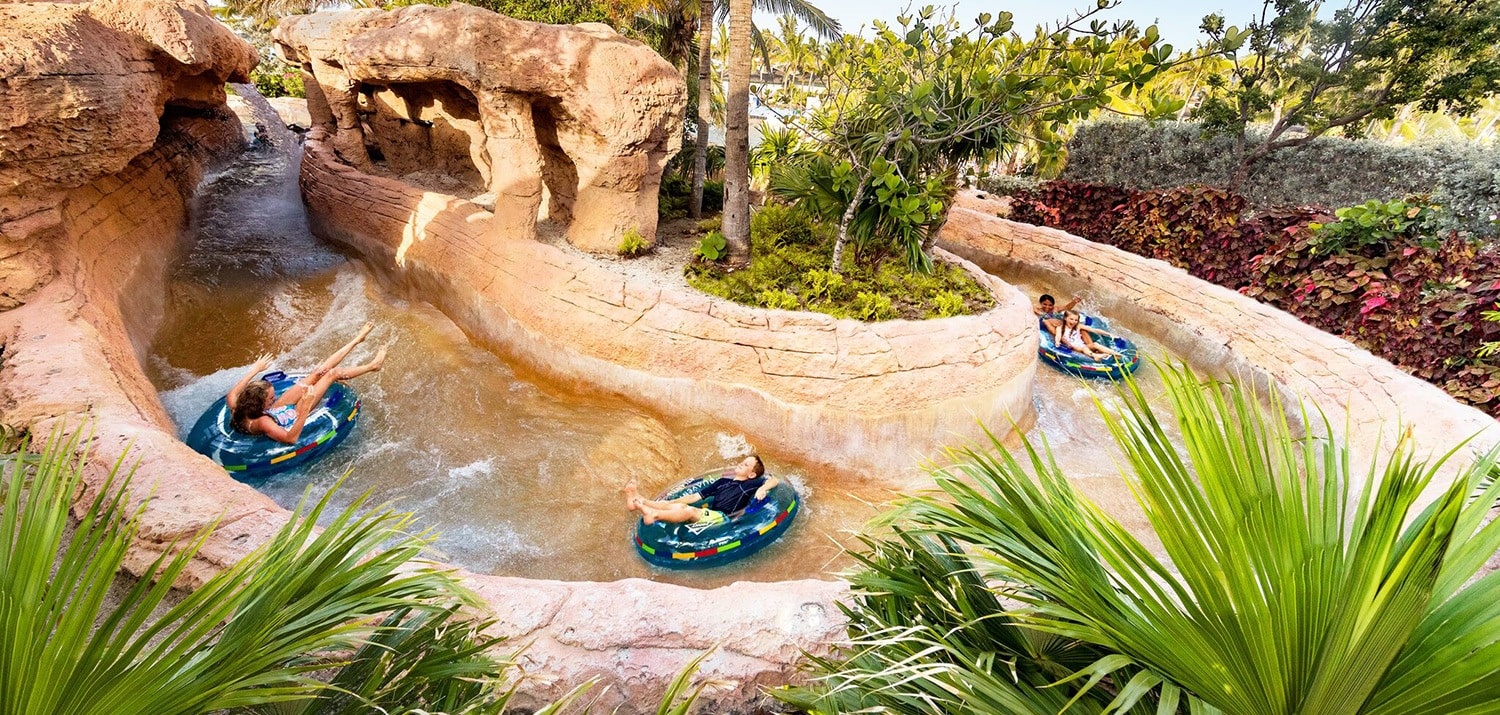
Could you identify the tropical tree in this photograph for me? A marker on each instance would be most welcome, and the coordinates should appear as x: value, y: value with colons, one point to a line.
x: 916, y: 104
x: 1313, y: 73
x: 350, y: 603
x: 736, y: 221
x: 1290, y: 583
x: 820, y: 23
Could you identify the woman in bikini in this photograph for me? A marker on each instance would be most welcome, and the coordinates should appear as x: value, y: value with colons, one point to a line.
x: 257, y: 409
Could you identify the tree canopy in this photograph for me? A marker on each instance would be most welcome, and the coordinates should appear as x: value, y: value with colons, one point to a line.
x: 1313, y: 73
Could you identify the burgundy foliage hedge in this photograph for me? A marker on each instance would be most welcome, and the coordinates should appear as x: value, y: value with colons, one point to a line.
x: 1419, y: 308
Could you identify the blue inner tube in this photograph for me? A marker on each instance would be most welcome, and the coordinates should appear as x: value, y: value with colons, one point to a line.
x: 1074, y: 363
x: 252, y: 457
x: 680, y: 546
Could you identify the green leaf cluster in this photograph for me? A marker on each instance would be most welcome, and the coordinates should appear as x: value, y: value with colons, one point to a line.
x: 1376, y: 225
x: 632, y: 244
x: 1290, y: 581
x: 789, y: 270
x: 712, y: 246
x: 913, y: 107
x: 1310, y: 71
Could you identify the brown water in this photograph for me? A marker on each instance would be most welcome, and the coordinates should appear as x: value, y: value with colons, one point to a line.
x: 519, y: 475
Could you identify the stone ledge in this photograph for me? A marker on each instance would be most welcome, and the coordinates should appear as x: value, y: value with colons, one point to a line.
x: 1218, y: 329
x: 869, y: 399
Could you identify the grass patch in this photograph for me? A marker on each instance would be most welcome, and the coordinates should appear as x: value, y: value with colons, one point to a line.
x: 789, y: 270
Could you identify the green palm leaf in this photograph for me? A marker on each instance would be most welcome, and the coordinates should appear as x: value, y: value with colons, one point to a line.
x: 1291, y: 585
x: 250, y: 636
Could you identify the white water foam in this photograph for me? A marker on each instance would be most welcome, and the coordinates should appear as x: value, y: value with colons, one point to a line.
x: 733, y: 446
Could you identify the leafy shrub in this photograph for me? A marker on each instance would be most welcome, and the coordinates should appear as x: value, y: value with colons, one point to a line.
x: 778, y: 299
x: 1375, y: 225
x: 713, y: 196
x: 712, y: 247
x: 278, y: 80
x: 1330, y: 171
x: 676, y: 195
x: 781, y: 224
x: 779, y: 275
x: 711, y: 224
x: 673, y: 198
x: 1412, y: 299
x: 1007, y: 590
x: 632, y: 244
x: 822, y: 284
x: 946, y: 304
x: 872, y: 307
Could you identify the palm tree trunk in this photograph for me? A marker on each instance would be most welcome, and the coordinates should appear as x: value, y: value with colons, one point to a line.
x: 737, y: 137
x: 705, y: 102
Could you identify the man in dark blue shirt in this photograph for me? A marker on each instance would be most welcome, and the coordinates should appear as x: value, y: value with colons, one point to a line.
x: 725, y: 495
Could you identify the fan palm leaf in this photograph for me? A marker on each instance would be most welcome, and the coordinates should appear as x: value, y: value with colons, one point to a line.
x: 1291, y: 584
x: 250, y: 636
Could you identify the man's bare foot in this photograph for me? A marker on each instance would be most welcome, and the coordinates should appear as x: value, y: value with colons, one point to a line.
x: 364, y: 331
x: 379, y: 360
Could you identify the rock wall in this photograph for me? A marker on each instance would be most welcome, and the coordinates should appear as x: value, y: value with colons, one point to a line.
x: 111, y: 112
x: 1218, y: 329
x: 840, y: 395
x: 573, y: 122
x: 85, y: 88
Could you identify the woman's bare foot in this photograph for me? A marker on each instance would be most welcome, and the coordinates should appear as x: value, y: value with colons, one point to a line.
x: 632, y: 496
x: 364, y: 331
x: 379, y: 360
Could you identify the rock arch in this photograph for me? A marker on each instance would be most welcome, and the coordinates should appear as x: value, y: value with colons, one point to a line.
x: 573, y: 123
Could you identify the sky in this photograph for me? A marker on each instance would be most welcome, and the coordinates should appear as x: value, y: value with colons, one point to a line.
x: 1177, y: 20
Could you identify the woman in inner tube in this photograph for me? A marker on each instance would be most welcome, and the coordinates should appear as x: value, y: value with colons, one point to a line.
x: 726, y: 495
x: 257, y: 409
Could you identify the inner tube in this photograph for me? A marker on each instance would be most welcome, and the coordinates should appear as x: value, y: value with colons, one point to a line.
x: 682, y: 546
x: 1074, y: 363
x: 250, y: 457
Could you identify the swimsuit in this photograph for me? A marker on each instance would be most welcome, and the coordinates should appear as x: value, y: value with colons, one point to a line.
x: 1073, y: 338
x: 728, y: 495
x: 285, y: 416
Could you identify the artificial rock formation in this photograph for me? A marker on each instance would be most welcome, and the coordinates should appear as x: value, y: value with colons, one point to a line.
x: 574, y: 123
x: 87, y: 88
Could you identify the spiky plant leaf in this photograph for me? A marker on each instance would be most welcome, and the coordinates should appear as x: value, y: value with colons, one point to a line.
x: 1290, y: 583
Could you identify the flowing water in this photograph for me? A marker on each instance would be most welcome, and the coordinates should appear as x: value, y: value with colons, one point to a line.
x: 518, y: 474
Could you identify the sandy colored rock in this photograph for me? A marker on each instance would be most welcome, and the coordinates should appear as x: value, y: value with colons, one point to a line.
x: 85, y: 87
x: 868, y: 400
x: 292, y: 110
x: 574, y: 122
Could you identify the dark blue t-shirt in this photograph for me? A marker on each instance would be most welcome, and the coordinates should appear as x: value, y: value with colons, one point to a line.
x: 729, y: 495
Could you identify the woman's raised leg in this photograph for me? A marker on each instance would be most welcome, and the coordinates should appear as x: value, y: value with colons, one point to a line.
x: 348, y: 373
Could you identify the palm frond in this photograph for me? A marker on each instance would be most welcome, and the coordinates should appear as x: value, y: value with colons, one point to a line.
x: 1290, y: 584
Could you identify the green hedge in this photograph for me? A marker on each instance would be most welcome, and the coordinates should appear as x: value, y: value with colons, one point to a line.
x: 1329, y: 172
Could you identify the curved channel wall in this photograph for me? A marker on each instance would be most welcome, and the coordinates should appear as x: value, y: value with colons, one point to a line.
x: 870, y: 400
x: 1214, y: 328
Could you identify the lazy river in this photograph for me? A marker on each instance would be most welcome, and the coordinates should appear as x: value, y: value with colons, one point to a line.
x: 518, y: 474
